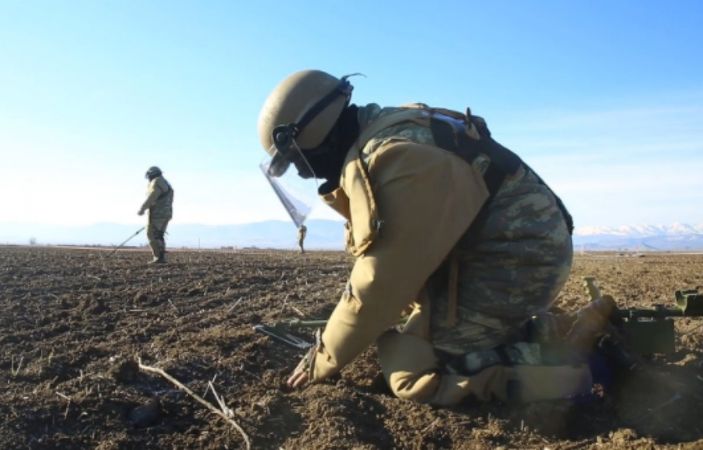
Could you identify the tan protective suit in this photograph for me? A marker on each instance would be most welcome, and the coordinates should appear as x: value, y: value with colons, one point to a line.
x: 408, y: 204
x: 159, y: 202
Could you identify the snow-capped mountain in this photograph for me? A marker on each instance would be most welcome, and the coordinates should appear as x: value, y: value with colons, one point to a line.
x: 674, y: 237
x: 327, y: 234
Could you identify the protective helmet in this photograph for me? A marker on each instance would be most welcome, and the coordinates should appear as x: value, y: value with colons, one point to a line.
x: 152, y: 173
x: 299, y: 114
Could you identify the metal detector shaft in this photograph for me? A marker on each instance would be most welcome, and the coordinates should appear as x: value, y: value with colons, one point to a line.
x: 125, y: 241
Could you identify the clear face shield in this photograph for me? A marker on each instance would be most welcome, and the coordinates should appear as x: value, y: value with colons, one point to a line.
x: 296, y: 191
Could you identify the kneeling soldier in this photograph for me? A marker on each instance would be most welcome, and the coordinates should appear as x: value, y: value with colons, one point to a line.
x: 446, y: 225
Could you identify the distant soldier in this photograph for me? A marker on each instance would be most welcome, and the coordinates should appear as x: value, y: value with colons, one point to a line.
x: 302, y: 231
x: 159, y: 202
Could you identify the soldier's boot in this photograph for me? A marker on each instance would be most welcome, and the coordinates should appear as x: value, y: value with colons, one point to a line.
x: 155, y: 251
x: 525, y: 383
x: 159, y: 255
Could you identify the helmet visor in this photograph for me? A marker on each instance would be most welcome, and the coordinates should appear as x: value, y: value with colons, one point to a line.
x: 286, y: 151
x: 297, y: 192
x: 281, y: 160
x: 297, y: 195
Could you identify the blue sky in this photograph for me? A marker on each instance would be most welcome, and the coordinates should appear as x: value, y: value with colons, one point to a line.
x: 603, y: 98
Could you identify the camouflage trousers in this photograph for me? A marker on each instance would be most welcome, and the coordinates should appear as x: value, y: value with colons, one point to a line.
x: 155, y: 230
x: 511, y: 270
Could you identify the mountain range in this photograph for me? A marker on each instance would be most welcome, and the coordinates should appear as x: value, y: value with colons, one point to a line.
x: 325, y: 234
x: 674, y: 237
x: 322, y: 234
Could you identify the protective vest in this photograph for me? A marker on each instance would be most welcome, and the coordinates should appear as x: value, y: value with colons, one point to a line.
x: 468, y: 137
x: 513, y: 259
x: 160, y: 199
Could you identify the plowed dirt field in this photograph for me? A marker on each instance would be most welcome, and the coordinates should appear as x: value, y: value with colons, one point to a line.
x: 74, y: 321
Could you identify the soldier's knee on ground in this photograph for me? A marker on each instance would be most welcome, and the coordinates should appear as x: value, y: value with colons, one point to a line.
x: 409, y: 366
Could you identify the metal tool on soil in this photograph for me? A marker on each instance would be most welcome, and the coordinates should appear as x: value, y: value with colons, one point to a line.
x: 125, y: 241
x: 282, y: 335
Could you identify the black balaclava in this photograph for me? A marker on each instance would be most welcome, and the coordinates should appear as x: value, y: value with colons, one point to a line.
x: 326, y: 160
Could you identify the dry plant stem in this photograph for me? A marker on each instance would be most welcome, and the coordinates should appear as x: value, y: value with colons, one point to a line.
x: 698, y: 327
x: 430, y: 426
x: 297, y: 311
x: 220, y: 401
x: 207, y: 389
x: 68, y: 403
x: 199, y: 399
x: 14, y: 371
x: 235, y: 304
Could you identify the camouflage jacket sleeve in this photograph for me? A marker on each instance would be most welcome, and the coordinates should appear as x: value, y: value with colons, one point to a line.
x: 154, y: 190
x: 427, y: 198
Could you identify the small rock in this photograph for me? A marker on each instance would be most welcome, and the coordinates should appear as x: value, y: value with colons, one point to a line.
x: 147, y: 414
x: 125, y: 371
x: 139, y: 298
x: 547, y: 417
x: 99, y: 307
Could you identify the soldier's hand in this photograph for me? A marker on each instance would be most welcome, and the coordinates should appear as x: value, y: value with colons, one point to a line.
x: 301, y: 374
x: 298, y: 378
